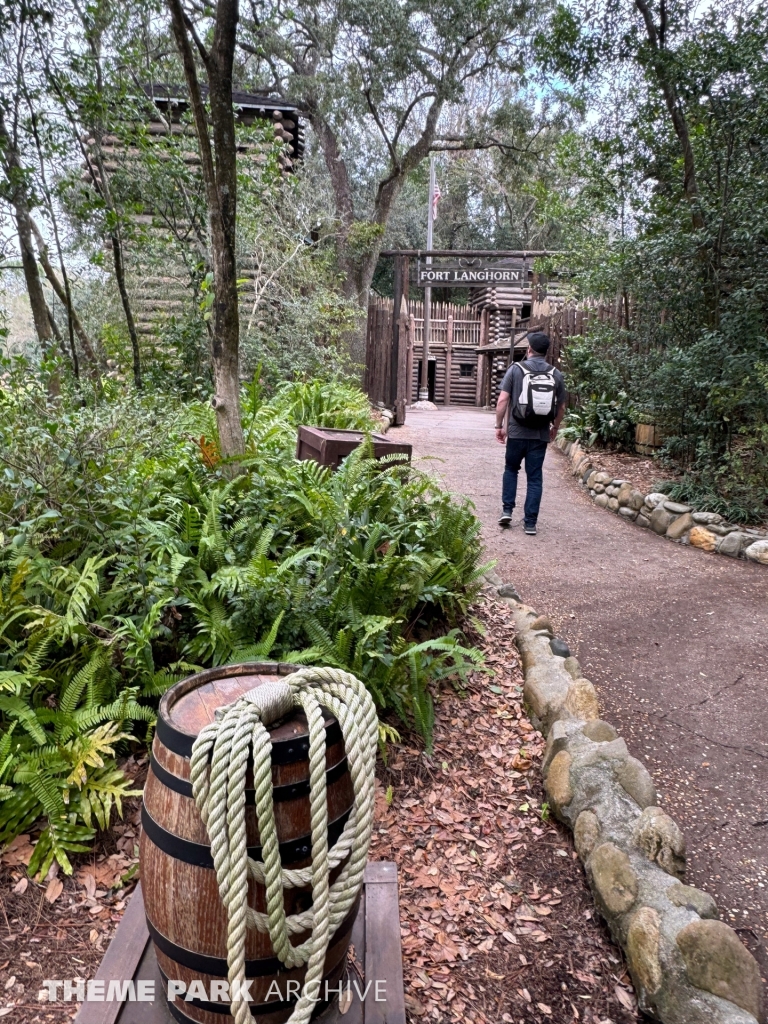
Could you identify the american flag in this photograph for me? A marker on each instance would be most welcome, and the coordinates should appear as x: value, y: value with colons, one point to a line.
x: 436, y: 197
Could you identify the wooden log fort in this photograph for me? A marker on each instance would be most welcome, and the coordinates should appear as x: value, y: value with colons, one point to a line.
x: 157, y: 296
x: 185, y: 915
x: 471, y: 346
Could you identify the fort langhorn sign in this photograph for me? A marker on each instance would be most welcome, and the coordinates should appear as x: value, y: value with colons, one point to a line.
x: 455, y: 275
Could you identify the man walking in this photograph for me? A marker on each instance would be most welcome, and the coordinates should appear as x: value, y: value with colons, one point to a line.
x: 532, y: 399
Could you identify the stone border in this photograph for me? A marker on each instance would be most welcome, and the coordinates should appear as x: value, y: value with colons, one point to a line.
x: 670, y: 519
x: 687, y: 966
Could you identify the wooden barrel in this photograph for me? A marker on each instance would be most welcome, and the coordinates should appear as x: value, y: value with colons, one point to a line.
x: 648, y: 438
x: 185, y: 915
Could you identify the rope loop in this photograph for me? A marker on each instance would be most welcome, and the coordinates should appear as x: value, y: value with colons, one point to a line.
x: 220, y: 758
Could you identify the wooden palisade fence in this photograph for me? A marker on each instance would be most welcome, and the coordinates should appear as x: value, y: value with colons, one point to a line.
x: 455, y: 335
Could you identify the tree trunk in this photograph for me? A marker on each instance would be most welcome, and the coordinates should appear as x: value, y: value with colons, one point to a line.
x: 672, y: 101
x: 118, y: 262
x: 359, y: 268
x: 62, y: 296
x: 32, y: 279
x: 18, y: 197
x: 221, y: 192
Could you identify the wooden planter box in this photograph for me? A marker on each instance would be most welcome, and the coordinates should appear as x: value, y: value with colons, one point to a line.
x: 329, y: 446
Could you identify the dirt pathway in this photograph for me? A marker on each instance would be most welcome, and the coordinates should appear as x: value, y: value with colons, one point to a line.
x: 675, y: 640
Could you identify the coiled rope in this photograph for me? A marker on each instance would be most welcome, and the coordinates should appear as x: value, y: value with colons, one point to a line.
x: 220, y: 758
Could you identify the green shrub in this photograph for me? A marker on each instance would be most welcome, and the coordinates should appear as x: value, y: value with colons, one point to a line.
x: 600, y: 420
x: 129, y: 560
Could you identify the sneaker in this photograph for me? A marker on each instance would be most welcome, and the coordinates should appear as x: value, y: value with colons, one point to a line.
x: 505, y: 518
x: 530, y: 529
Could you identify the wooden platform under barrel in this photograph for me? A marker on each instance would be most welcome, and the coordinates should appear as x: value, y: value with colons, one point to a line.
x: 375, y: 956
x: 185, y: 916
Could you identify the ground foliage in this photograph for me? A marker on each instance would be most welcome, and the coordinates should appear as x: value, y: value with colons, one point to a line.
x: 60, y: 926
x: 132, y: 555
x: 497, y: 922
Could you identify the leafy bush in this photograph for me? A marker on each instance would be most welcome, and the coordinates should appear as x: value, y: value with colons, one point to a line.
x: 735, y: 486
x: 609, y: 422
x: 130, y: 559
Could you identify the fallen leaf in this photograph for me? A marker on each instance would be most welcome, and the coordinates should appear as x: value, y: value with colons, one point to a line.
x: 6, y: 1010
x: 19, y: 851
x: 88, y: 880
x: 624, y: 998
x: 545, y: 1009
x: 543, y: 911
x: 93, y: 935
x: 54, y: 890
x: 417, y: 1008
x: 11, y: 982
x: 510, y: 938
x: 21, y: 886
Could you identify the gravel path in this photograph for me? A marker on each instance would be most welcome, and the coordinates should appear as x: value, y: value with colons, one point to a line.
x: 675, y: 641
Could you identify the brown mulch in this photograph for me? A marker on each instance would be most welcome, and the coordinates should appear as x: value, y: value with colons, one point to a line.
x: 497, y: 921
x: 643, y: 473
x: 60, y: 928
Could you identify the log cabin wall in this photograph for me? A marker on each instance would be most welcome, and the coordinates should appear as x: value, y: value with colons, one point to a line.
x: 158, y: 296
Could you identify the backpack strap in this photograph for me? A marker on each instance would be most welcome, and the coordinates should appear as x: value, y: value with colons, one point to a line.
x: 525, y: 391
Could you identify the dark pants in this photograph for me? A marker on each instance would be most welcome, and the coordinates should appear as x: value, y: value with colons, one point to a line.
x: 533, y: 452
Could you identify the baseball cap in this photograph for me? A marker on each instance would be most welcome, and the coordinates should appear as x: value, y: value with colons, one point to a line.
x: 539, y: 342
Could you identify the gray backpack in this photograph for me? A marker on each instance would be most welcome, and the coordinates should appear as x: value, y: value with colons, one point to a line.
x: 537, y: 405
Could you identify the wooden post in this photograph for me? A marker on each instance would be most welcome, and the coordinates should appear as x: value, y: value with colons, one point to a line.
x: 448, y: 358
x: 394, y: 354
x: 480, y: 378
x: 402, y: 363
x: 401, y: 383
x: 512, y: 338
x: 411, y: 343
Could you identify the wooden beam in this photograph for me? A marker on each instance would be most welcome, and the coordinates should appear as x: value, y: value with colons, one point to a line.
x: 383, y: 952
x: 448, y: 358
x: 411, y: 343
x: 120, y: 961
x: 470, y: 253
x: 394, y: 353
x: 481, y: 357
x: 402, y: 363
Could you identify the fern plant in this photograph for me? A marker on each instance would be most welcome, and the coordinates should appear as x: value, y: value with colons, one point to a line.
x: 61, y: 718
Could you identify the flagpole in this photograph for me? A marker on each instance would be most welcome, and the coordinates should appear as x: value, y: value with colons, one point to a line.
x: 424, y: 389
